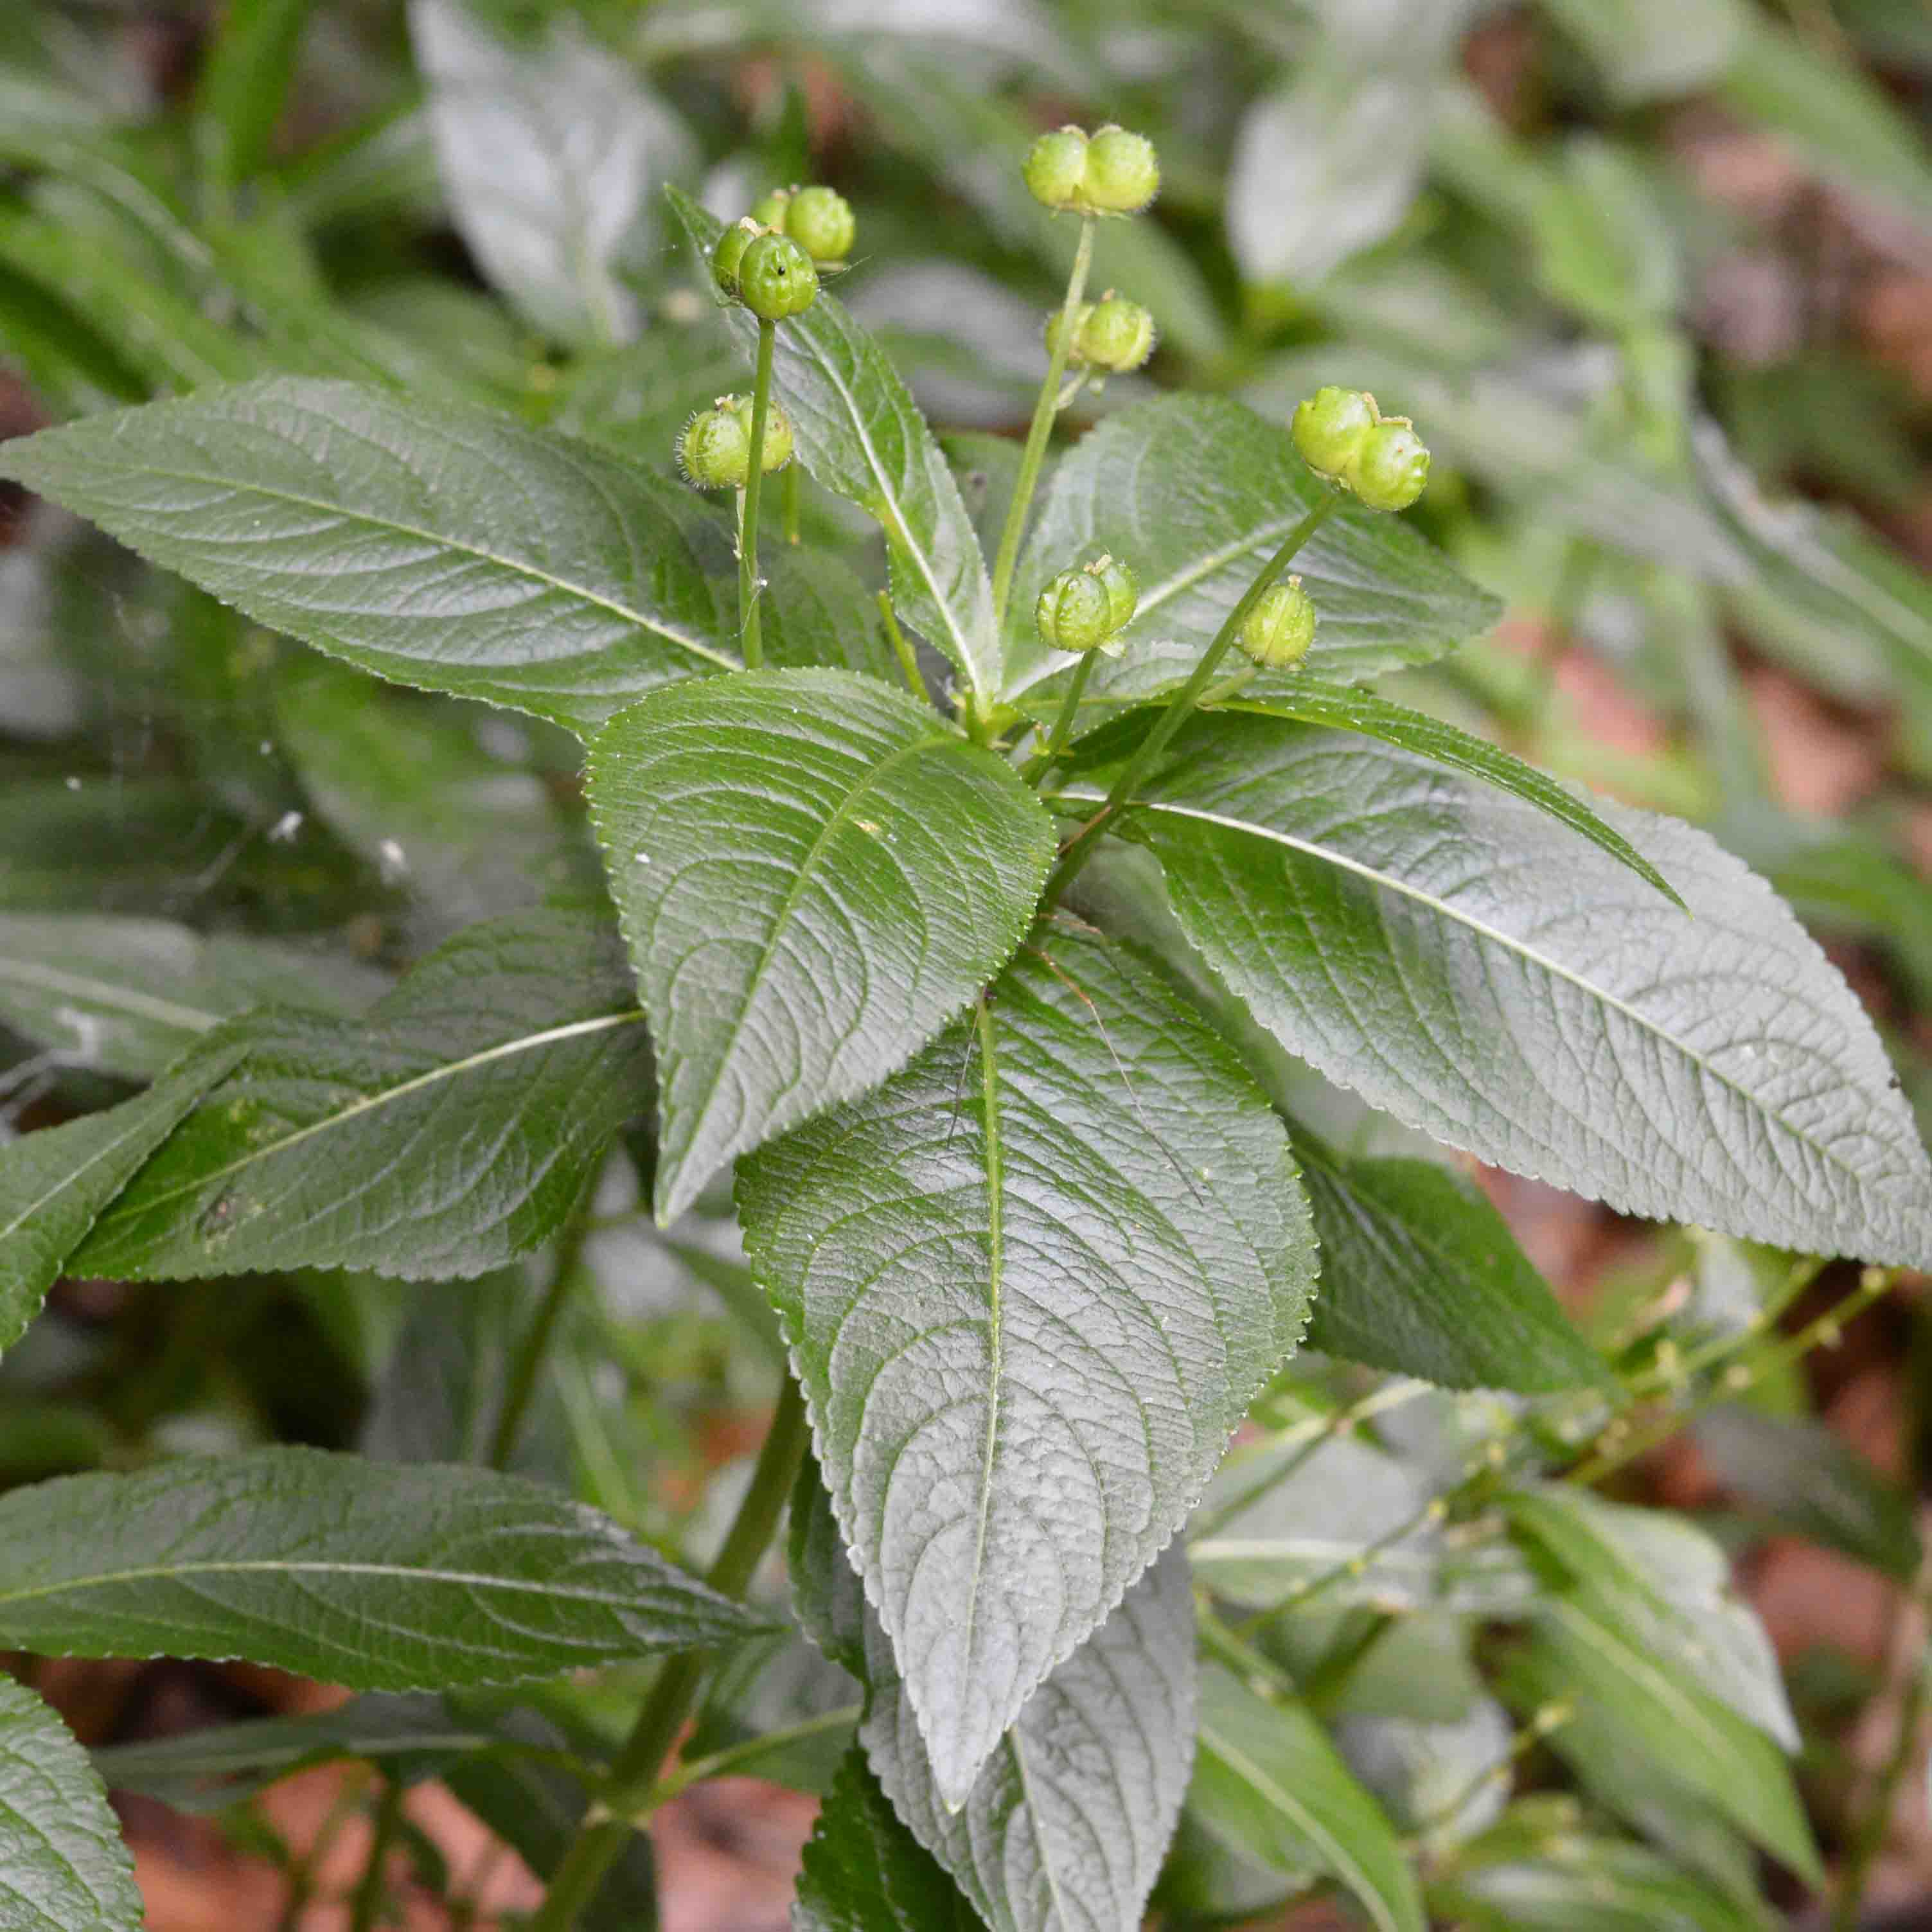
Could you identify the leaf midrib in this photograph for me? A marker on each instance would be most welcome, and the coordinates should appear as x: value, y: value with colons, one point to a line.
x: 524, y: 1043
x: 1508, y: 942
x: 656, y: 627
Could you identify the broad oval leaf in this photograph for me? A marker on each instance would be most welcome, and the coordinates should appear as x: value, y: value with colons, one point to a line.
x: 815, y: 873
x: 1030, y: 1286
x: 126, y: 996
x: 452, y: 1128
x: 374, y: 1575
x: 1268, y: 1782
x: 859, y: 432
x: 1493, y: 980
x: 65, y: 1868
x: 863, y: 1871
x: 1420, y: 1275
x: 1065, y: 1828
x: 551, y: 154
x: 438, y: 545
x: 1197, y: 493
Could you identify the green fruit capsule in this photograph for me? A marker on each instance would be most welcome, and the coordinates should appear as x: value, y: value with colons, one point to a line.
x: 1074, y: 353
x: 776, y: 278
x: 728, y: 256
x: 1072, y: 611
x: 769, y: 211
x: 1124, y: 594
x: 1277, y: 632
x: 777, y: 452
x: 1056, y: 165
x: 1117, y: 335
x: 1122, y: 173
x: 1331, y: 426
x: 714, y: 451
x: 1391, y: 466
x: 821, y: 221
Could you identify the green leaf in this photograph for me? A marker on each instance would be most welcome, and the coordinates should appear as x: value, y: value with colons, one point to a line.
x: 54, y: 1183
x: 374, y: 1575
x: 1495, y: 981
x: 859, y: 432
x: 126, y: 996
x: 66, y: 1869
x: 1195, y: 493
x: 550, y: 152
x: 1579, y: 1655
x: 1030, y: 1286
x: 1420, y: 1275
x: 452, y: 1128
x: 1309, y: 702
x: 1564, y: 1880
x: 1648, y: 48
x: 815, y: 873
x: 437, y: 545
x: 244, y: 83
x: 1268, y: 1782
x: 865, y: 1872
x: 1810, y: 1482
x: 1064, y: 1829
x: 1661, y: 1580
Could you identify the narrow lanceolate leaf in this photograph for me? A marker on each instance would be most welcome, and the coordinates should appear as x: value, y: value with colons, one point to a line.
x: 1197, y: 493
x: 859, y: 432
x: 1065, y: 1828
x: 452, y: 548
x: 126, y: 996
x: 1029, y: 1286
x: 1580, y: 1654
x: 63, y: 1867
x: 378, y: 1577
x: 863, y: 1871
x: 551, y: 154
x: 1665, y: 1584
x: 55, y: 1183
x: 815, y: 873
x: 1268, y: 1782
x: 453, y: 1127
x: 1491, y: 979
x: 1420, y: 1275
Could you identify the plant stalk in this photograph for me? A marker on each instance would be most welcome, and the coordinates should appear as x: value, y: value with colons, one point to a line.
x: 534, y: 1350
x: 1043, y: 760
x: 373, y: 1889
x: 1044, y: 412
x: 607, y: 1827
x: 1080, y: 848
x: 750, y: 641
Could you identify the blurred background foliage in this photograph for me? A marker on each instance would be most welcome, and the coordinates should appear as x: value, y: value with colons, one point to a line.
x: 1655, y: 278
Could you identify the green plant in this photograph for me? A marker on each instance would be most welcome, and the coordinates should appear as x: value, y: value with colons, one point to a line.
x: 999, y: 967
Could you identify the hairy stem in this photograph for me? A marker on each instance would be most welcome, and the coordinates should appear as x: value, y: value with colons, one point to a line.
x: 534, y: 1350
x: 1080, y: 848
x: 607, y: 1826
x: 903, y: 651
x: 1045, y: 410
x: 1043, y: 760
x: 749, y: 640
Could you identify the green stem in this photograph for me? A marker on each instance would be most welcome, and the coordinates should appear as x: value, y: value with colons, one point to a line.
x: 1044, y: 412
x: 752, y: 1750
x: 1043, y: 760
x: 535, y: 1349
x: 750, y: 641
x: 1156, y: 741
x: 373, y: 1889
x: 908, y: 660
x: 606, y: 1827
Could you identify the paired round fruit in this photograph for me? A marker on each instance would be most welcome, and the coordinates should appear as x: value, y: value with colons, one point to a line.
x: 1113, y: 334
x: 1081, y: 610
x: 1277, y: 632
x: 1341, y: 434
x: 714, y: 451
x: 1110, y: 172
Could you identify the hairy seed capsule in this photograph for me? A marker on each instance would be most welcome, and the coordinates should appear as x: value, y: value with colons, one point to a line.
x: 777, y: 451
x: 1277, y: 632
x: 714, y: 451
x: 1117, y: 335
x: 1071, y: 612
x: 821, y: 221
x: 1122, y: 173
x: 768, y: 210
x: 729, y: 255
x: 1056, y: 165
x: 776, y: 278
x: 1331, y: 426
x: 1053, y: 331
x: 1391, y: 466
